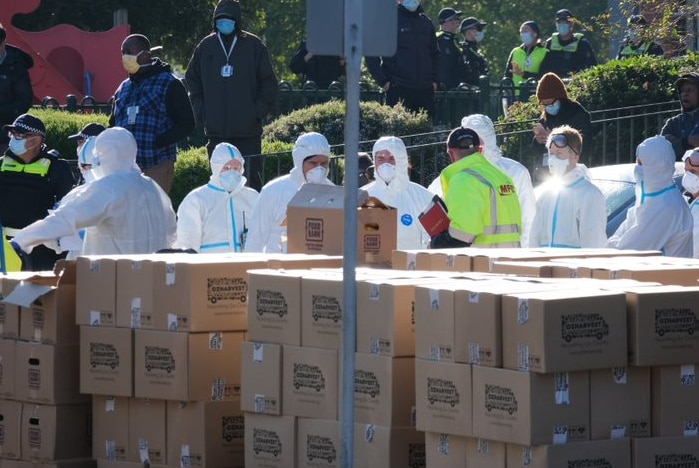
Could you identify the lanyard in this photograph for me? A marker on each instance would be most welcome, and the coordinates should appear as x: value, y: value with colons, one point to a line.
x: 229, y: 51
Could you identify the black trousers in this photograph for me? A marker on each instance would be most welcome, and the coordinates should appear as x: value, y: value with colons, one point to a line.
x: 251, y: 149
x: 412, y: 98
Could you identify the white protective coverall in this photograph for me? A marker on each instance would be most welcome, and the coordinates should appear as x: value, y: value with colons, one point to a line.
x: 519, y: 174
x: 571, y: 212
x: 660, y: 219
x: 122, y: 211
x: 694, y: 209
x: 267, y: 227
x: 408, y: 198
x: 211, y: 219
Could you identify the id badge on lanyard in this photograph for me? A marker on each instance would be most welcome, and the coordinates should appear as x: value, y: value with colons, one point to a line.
x: 227, y: 69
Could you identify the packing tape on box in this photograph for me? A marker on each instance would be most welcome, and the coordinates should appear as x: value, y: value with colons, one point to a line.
x: 522, y: 311
x: 215, y: 341
x: 136, y: 312
x: 560, y: 435
x: 523, y: 355
x: 170, y: 274
x: 617, y: 432
x: 562, y: 388
x: 374, y: 292
x: 110, y: 449
x: 474, y: 353
x: 109, y: 405
x: 258, y: 352
x: 143, y: 450
x: 185, y: 460
x: 688, y: 378
x: 95, y: 318
x: 443, y: 446
x: 434, y: 299
x: 620, y: 375
x: 474, y: 297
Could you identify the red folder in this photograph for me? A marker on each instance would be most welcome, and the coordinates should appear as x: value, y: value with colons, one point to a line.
x: 434, y: 217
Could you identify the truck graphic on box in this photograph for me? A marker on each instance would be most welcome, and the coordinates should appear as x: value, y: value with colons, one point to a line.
x: 676, y: 460
x: 233, y: 428
x: 320, y: 448
x: 675, y: 320
x: 590, y: 463
x: 226, y: 289
x: 417, y: 456
x: 326, y: 308
x: 264, y: 440
x: 500, y: 398
x: 308, y: 376
x: 103, y: 354
x: 159, y: 358
x: 583, y: 326
x: 271, y: 303
x: 366, y: 382
x: 443, y: 391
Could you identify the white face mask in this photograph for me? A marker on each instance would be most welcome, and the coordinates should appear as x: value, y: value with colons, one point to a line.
x: 690, y: 182
x: 316, y: 175
x: 18, y: 147
x: 230, y: 180
x: 557, y: 167
x: 387, y: 172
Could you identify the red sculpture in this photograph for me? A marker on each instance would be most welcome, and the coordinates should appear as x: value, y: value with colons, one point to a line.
x: 67, y: 60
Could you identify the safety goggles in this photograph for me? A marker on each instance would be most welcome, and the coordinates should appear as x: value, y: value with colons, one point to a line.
x: 561, y: 141
x: 692, y: 157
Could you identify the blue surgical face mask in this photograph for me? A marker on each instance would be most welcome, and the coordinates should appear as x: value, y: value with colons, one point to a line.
x: 554, y: 108
x: 479, y: 36
x: 410, y: 5
x: 230, y: 180
x: 225, y: 26
x: 563, y: 29
x: 18, y: 147
x: 527, y: 38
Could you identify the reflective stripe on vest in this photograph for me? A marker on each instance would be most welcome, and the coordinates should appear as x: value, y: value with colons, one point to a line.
x: 629, y: 51
x: 39, y: 167
x: 494, y: 228
x: 528, y: 63
x: 572, y: 47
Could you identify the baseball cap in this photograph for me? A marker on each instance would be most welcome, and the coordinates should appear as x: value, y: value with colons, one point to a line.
x: 472, y: 22
x: 447, y: 14
x: 26, y: 123
x: 89, y: 130
x: 463, y: 138
x: 564, y: 15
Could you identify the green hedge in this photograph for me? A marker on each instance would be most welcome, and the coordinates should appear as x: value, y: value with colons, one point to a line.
x: 61, y: 124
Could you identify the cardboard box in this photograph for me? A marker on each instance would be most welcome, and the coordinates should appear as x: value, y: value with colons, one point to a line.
x: 675, y: 401
x: 198, y: 293
x: 404, y: 259
x: 443, y: 397
x: 663, y: 325
x: 564, y: 330
x: 530, y: 409
x: 434, y: 321
x: 321, y: 310
x: 274, y: 309
x: 106, y: 361
x: 261, y: 379
x: 597, y: 453
x: 147, y: 431
x: 443, y: 260
x: 317, y: 441
x: 310, y: 382
x: 76, y: 463
x: 55, y: 432
x: 620, y: 403
x: 8, y: 350
x: 9, y: 313
x: 134, y: 293
x: 48, y: 374
x: 110, y: 427
x: 482, y: 453
x: 125, y: 464
x: 10, y: 422
x: 187, y: 366
x: 205, y: 434
x: 668, y: 452
x: 450, y: 451
x: 302, y: 261
x: 388, y: 446
x: 270, y: 441
x: 315, y: 221
x: 664, y: 274
x: 95, y: 300
x: 383, y: 394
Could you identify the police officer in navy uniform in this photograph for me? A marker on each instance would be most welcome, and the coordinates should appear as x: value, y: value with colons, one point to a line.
x: 474, y: 62
x: 636, y: 42
x: 569, y: 52
x: 32, y: 181
x: 450, y: 68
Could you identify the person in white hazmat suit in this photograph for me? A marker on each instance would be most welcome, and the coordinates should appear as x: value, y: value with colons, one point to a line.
x: 394, y: 188
x: 214, y: 217
x: 660, y: 218
x: 571, y: 211
x: 690, y: 182
x: 267, y: 227
x: 122, y: 211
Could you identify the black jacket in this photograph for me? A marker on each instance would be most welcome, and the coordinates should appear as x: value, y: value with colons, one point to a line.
x: 451, y: 68
x: 321, y: 69
x: 475, y: 64
x: 572, y: 113
x: 564, y: 63
x: 414, y: 64
x: 16, y: 94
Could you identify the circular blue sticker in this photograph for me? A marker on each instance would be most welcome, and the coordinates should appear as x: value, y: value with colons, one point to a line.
x: 406, y: 219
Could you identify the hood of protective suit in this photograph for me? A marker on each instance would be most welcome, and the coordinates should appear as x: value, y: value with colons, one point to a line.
x: 114, y: 153
x: 222, y: 153
x: 308, y: 144
x: 229, y: 9
x: 658, y: 160
x: 485, y: 129
x: 86, y: 152
x: 397, y: 148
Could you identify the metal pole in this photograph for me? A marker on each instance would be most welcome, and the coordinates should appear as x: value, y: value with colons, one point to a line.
x: 353, y: 61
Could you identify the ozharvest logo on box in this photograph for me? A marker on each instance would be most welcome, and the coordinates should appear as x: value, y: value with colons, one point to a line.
x: 159, y: 358
x: 590, y: 463
x: 320, y: 448
x: 443, y: 391
x: 308, y: 376
x: 366, y: 382
x: 226, y: 289
x: 500, y: 398
x: 103, y: 354
x: 314, y: 230
x: 266, y: 441
x: 271, y: 303
x: 232, y: 428
x: 675, y: 321
x: 678, y: 460
x: 325, y: 308
x: 576, y: 326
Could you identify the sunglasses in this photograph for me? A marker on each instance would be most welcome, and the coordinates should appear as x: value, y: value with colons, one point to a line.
x: 561, y: 141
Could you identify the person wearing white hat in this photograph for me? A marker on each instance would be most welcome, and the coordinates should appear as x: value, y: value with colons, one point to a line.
x: 394, y: 188
x: 122, y: 211
x: 267, y: 227
x: 660, y: 219
x: 213, y: 217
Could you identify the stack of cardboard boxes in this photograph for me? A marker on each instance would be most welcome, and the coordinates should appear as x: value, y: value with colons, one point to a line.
x: 44, y: 420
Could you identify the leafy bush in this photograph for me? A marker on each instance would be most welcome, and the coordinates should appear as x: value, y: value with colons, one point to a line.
x: 60, y: 124
x: 191, y: 171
